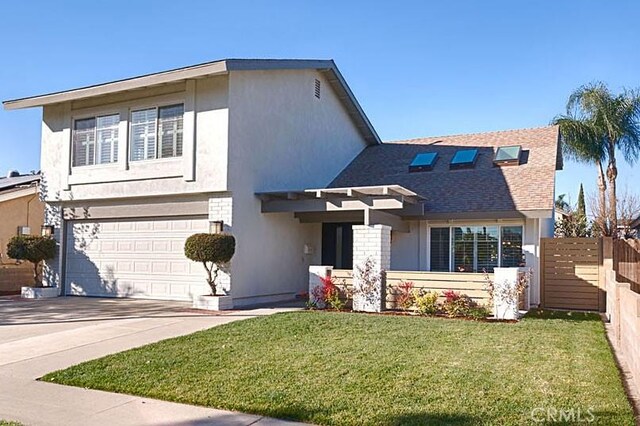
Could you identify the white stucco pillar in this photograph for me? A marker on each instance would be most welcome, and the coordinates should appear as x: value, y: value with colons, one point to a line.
x: 371, y: 259
x: 531, y: 250
x: 505, y: 297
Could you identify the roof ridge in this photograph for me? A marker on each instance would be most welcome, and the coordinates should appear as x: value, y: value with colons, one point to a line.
x: 471, y: 134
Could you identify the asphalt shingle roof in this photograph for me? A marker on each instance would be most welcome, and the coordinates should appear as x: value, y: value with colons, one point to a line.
x: 13, y: 182
x: 483, y: 188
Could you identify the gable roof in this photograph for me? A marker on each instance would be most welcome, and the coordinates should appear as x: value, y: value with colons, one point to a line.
x: 483, y: 188
x: 328, y: 67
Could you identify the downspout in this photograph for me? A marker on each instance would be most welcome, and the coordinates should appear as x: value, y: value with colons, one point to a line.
x: 29, y: 204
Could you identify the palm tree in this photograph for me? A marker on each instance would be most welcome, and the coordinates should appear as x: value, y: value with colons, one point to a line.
x: 596, y: 125
x: 561, y: 203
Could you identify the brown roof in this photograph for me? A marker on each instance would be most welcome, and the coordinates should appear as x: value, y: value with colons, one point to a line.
x: 483, y: 188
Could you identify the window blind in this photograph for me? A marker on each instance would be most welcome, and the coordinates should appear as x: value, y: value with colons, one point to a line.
x: 512, y: 255
x: 486, y: 248
x: 143, y: 134
x: 475, y: 248
x: 463, y: 249
x: 84, y: 139
x: 170, y: 123
x: 107, y: 138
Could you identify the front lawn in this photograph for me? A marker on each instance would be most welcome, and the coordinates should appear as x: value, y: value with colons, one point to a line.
x: 347, y: 369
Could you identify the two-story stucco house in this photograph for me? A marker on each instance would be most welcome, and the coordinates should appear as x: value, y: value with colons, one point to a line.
x: 281, y: 152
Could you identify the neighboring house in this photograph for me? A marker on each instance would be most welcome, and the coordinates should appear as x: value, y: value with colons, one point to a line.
x: 21, y: 212
x: 635, y: 226
x: 282, y: 153
x: 631, y: 231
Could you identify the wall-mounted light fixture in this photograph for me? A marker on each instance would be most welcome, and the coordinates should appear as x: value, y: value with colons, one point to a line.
x: 46, y: 230
x: 216, y: 227
x: 24, y: 230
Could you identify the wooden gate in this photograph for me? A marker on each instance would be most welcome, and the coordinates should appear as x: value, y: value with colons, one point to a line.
x: 570, y: 273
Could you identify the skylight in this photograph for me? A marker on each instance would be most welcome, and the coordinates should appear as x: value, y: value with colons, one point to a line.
x: 507, y: 155
x: 464, y: 158
x: 423, y: 162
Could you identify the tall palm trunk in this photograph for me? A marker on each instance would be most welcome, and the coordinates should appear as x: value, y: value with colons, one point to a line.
x: 612, y: 174
x: 601, y: 216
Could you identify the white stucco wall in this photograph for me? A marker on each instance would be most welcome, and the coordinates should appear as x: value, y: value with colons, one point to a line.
x: 281, y: 138
x: 405, y: 248
x: 206, y: 108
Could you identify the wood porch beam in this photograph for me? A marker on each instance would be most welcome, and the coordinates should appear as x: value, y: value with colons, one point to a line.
x: 376, y: 217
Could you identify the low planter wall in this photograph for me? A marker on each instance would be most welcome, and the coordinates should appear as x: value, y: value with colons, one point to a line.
x: 471, y: 284
x: 623, y: 312
x: 39, y: 292
x: 14, y: 277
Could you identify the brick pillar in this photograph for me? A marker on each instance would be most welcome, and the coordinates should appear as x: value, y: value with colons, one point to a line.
x: 372, y: 248
x: 221, y: 208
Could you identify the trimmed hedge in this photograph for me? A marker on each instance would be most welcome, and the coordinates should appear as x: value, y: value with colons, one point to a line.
x: 214, y: 248
x: 211, y: 250
x: 33, y: 248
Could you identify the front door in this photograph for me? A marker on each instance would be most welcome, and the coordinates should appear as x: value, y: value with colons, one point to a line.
x: 337, y: 245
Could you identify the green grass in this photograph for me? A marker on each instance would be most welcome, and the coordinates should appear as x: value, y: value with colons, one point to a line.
x: 347, y: 369
x: 7, y: 423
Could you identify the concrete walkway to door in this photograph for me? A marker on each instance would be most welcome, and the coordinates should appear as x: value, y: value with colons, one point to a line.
x: 37, y: 337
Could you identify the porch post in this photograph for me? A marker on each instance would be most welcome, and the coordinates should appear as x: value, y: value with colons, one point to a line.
x: 371, y: 259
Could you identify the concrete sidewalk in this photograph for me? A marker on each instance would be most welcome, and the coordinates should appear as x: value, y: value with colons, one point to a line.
x: 72, y: 333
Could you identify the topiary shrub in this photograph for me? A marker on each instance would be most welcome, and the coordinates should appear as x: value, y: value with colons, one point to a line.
x: 213, y: 251
x: 34, y: 249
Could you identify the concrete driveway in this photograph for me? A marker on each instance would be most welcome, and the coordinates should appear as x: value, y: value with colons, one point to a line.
x: 37, y: 337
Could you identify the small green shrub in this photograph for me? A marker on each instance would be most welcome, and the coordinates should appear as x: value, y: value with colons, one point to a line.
x: 34, y: 249
x: 456, y: 304
x: 478, y: 313
x: 426, y: 302
x: 212, y: 250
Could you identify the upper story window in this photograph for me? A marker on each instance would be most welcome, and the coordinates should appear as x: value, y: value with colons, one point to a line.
x: 157, y: 132
x: 95, y: 140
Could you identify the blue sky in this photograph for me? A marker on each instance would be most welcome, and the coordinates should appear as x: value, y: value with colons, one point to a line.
x: 418, y: 68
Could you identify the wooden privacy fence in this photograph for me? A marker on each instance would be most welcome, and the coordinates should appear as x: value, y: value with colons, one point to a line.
x: 626, y: 262
x: 623, y: 312
x: 570, y: 273
x: 471, y: 284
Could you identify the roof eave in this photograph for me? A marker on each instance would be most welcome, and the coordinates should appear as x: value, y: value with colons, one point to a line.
x: 334, y: 77
x: 171, y: 76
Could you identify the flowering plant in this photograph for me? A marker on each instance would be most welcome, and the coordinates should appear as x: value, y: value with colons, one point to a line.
x: 327, y: 295
x: 404, y: 295
x: 456, y: 304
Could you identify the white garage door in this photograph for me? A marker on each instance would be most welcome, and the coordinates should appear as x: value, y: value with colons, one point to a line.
x: 134, y: 258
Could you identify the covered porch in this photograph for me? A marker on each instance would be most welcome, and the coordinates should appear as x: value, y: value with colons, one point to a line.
x: 354, y: 220
x: 392, y: 225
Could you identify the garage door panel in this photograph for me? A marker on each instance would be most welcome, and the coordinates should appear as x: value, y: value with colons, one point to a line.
x: 134, y: 258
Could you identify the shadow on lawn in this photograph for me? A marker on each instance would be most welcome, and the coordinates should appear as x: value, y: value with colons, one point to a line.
x: 295, y: 414
x: 547, y: 314
x: 430, y: 419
